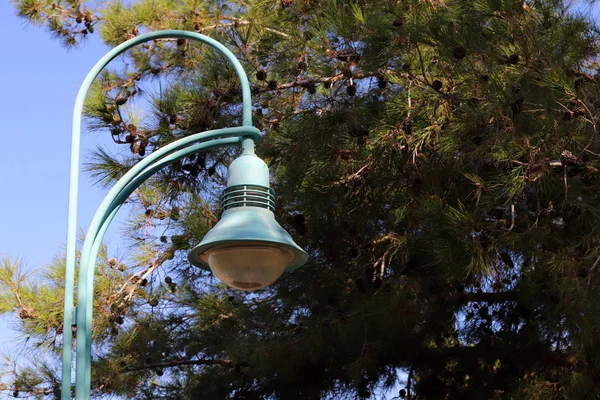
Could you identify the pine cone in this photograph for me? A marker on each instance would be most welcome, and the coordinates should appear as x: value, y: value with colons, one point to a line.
x: 568, y: 158
x: 26, y: 313
x: 299, y: 224
x: 459, y: 52
x: 407, y: 126
x: 261, y: 75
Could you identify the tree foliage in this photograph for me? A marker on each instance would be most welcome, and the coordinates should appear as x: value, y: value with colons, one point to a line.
x: 439, y: 160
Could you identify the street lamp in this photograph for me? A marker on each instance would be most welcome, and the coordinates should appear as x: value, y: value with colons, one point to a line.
x: 247, y: 249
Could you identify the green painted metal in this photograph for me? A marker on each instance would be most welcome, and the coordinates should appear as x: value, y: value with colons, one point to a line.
x: 245, y: 195
x: 248, y: 169
x: 107, y: 210
x: 247, y: 225
x: 82, y: 383
x: 248, y: 204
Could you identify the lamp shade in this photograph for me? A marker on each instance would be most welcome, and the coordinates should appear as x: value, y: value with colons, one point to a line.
x: 247, y: 249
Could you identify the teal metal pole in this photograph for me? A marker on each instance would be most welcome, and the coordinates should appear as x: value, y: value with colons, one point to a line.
x: 251, y: 133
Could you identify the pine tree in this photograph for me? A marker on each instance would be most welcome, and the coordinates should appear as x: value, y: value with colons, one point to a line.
x: 439, y: 161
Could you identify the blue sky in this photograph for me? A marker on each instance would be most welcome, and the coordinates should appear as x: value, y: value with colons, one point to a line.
x: 40, y: 84
x: 40, y: 79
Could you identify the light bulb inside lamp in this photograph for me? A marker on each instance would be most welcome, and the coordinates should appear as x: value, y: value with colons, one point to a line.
x: 248, y: 267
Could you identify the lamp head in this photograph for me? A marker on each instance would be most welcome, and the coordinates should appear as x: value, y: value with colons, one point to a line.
x: 247, y: 249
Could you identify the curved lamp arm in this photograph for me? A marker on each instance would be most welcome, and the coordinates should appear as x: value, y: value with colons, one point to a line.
x: 246, y: 135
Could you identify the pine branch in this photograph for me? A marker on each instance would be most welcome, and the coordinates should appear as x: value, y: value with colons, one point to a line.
x: 179, y: 362
x: 239, y: 22
x: 422, y: 64
x: 488, y: 297
x: 553, y: 163
x: 106, y: 169
x: 539, y: 354
x: 309, y: 81
x: 28, y: 391
x: 128, y: 289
